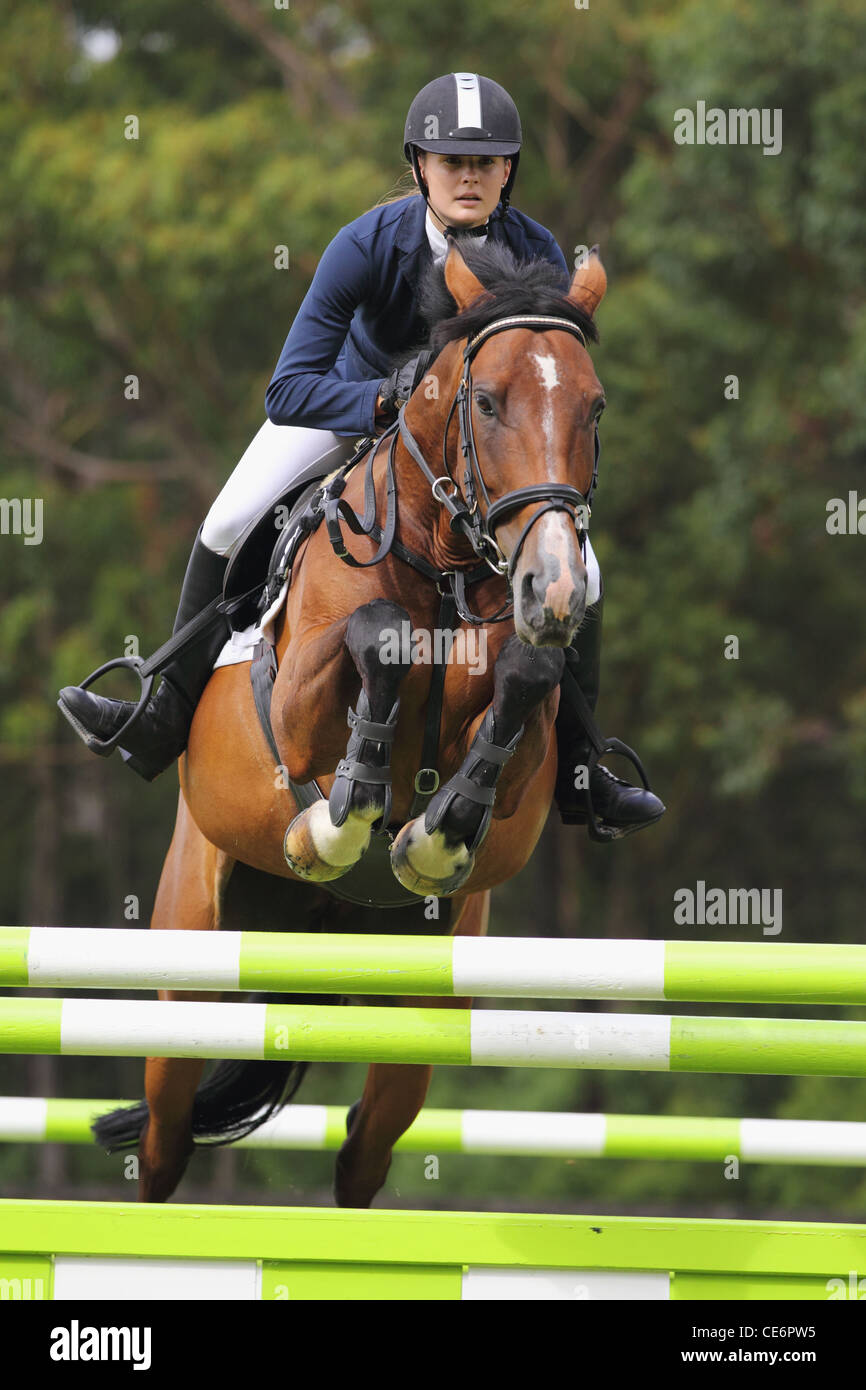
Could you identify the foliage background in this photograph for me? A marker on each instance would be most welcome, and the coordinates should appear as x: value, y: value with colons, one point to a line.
x: 155, y: 257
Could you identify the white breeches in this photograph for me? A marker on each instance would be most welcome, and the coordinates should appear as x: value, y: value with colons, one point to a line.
x: 279, y: 457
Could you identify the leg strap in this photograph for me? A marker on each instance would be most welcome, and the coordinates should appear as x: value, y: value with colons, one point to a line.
x: 481, y: 751
x: 353, y: 769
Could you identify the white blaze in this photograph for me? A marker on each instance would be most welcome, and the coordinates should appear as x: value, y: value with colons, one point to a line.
x: 549, y: 378
x: 547, y: 366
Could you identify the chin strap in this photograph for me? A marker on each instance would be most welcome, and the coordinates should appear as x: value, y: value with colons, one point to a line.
x: 467, y: 231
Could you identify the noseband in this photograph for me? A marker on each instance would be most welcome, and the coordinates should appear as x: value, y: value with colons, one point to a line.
x: 464, y: 508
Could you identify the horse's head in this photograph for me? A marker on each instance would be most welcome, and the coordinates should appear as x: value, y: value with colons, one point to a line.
x: 533, y: 404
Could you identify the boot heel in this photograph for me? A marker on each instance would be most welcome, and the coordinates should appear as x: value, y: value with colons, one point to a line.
x: 137, y: 766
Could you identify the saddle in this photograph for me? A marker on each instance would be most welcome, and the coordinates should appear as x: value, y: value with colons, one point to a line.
x: 252, y: 572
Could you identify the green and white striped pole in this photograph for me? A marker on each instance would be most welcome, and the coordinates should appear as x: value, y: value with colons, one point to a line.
x: 455, y: 1037
x: 543, y: 1134
x: 96, y: 1251
x: 301, y: 963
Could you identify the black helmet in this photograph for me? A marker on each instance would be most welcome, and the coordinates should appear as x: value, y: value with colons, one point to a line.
x: 463, y: 113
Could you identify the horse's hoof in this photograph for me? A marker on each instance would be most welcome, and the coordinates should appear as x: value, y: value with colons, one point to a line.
x: 317, y: 850
x: 424, y: 865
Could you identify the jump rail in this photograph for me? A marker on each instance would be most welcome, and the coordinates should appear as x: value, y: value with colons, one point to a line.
x: 111, y: 1250
x: 108, y: 1250
x: 302, y: 963
x: 544, y: 1134
x: 456, y: 1037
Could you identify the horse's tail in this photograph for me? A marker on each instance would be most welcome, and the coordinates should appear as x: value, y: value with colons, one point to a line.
x: 235, y: 1099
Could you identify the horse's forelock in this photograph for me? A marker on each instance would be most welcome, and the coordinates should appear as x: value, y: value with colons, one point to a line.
x: 513, y: 287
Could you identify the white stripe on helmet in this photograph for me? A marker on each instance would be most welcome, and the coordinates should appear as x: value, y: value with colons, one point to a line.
x: 468, y: 99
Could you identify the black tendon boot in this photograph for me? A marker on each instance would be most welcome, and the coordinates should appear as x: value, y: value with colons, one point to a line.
x: 619, y: 807
x: 159, y: 735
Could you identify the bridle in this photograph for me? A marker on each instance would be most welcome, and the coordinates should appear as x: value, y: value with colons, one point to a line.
x: 463, y: 507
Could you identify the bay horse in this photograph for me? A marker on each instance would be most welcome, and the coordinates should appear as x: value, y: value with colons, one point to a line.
x: 511, y: 369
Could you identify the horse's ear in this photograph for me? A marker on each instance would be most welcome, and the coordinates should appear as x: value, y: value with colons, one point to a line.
x: 463, y: 285
x: 588, y: 283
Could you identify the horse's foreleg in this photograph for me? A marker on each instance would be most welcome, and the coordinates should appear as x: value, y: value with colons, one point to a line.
x: 393, y: 1094
x: 326, y: 840
x: 193, y: 879
x: 435, y: 853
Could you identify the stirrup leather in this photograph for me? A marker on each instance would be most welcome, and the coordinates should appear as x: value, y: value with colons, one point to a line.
x: 599, y: 746
x: 215, y: 612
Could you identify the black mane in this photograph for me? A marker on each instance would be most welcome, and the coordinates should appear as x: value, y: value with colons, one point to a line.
x: 513, y: 287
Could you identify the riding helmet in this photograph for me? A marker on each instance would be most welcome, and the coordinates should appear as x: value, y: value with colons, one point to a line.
x: 463, y: 113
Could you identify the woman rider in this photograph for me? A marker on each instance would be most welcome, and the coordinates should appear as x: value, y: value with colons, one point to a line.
x: 463, y: 139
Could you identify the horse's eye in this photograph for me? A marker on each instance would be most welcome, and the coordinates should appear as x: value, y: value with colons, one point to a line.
x: 484, y: 403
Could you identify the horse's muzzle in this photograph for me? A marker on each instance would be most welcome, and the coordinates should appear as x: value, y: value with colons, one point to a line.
x: 547, y: 613
x: 550, y: 585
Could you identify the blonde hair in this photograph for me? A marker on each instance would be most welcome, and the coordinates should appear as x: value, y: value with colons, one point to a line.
x: 404, y: 187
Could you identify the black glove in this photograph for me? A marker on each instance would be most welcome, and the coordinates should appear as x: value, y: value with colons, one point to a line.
x: 398, y: 387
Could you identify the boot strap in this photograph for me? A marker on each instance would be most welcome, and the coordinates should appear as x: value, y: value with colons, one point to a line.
x: 480, y: 750
x: 493, y: 752
x: 363, y: 772
x: 367, y: 728
x: 482, y: 796
x: 350, y: 770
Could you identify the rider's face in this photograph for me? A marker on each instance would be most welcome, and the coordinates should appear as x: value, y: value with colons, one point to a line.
x: 464, y: 189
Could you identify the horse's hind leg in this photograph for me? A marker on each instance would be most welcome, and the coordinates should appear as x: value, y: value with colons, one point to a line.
x: 327, y: 839
x: 393, y: 1094
x: 193, y: 879
x: 435, y: 853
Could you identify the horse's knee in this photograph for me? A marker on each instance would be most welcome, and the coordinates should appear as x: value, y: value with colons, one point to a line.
x: 523, y: 677
x: 374, y: 638
x: 536, y: 669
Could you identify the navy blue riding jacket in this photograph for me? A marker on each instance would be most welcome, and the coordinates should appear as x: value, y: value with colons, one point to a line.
x: 361, y: 309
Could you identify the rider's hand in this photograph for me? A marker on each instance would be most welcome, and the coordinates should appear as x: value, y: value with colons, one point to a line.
x: 398, y: 387
x: 383, y: 417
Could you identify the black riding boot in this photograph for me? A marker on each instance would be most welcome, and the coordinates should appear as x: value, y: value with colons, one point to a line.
x: 618, y: 806
x: 160, y: 735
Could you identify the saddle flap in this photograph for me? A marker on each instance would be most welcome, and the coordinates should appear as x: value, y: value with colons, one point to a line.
x: 267, y: 547
x: 262, y: 551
